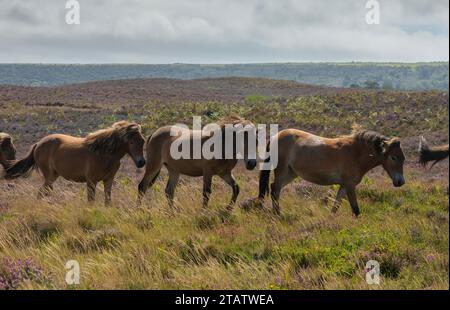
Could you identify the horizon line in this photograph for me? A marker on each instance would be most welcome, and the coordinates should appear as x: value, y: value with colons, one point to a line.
x: 224, y: 64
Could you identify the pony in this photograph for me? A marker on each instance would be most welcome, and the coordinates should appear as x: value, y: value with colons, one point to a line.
x: 7, y: 150
x: 340, y: 161
x: 90, y: 160
x: 158, y: 151
x: 427, y: 153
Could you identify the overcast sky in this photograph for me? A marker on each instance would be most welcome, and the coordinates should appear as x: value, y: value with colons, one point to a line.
x: 223, y: 31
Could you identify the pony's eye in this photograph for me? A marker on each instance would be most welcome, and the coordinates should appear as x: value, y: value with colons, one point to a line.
x: 394, y: 158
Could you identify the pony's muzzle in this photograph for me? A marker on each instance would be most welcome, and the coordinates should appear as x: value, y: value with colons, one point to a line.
x: 140, y: 162
x: 398, y: 180
x: 250, y: 164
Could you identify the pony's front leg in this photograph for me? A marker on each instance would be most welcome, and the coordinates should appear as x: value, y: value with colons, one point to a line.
x: 207, y: 180
x: 91, y: 186
x: 107, y: 184
x: 337, y: 202
x: 351, y: 195
x: 230, y: 180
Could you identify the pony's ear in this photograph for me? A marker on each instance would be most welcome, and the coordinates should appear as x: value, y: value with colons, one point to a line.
x: 394, y: 142
x: 390, y: 144
x: 134, y: 127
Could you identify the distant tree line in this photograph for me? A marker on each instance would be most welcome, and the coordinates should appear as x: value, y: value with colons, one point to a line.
x: 420, y: 76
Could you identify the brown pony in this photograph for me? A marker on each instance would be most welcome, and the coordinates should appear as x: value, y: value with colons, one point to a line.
x: 88, y: 160
x: 342, y: 161
x: 428, y: 153
x: 7, y: 150
x: 158, y: 151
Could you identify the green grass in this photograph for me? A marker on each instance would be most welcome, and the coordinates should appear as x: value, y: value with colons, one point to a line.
x: 406, y: 230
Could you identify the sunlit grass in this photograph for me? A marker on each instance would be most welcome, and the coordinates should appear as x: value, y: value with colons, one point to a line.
x: 152, y: 247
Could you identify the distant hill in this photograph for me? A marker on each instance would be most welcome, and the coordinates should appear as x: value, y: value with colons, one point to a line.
x: 138, y: 92
x: 30, y: 113
x: 401, y: 76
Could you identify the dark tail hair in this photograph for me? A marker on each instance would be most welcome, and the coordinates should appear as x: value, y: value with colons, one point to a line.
x: 428, y: 153
x: 22, y: 167
x: 264, y: 177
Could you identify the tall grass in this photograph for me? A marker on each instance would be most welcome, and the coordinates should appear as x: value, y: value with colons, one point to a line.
x: 125, y: 247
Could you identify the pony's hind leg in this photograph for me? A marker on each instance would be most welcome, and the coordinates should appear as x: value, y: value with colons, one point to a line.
x: 46, y: 189
x: 147, y: 181
x: 275, y: 191
x: 207, y: 180
x: 107, y: 184
x: 230, y: 180
x: 337, y: 202
x: 170, y: 188
x: 91, y: 187
x: 282, y: 178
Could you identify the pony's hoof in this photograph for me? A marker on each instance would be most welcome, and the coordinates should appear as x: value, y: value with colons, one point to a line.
x: 251, y: 204
x: 229, y: 208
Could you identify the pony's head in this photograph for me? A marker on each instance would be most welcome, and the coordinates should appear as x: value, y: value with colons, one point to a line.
x: 246, y: 138
x: 7, y: 149
x: 393, y: 160
x: 388, y: 151
x: 121, y: 137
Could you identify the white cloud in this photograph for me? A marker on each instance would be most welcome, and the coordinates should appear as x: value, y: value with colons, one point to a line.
x: 203, y: 31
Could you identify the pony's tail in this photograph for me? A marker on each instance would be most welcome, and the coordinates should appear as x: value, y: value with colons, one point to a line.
x: 22, y: 167
x: 264, y: 177
x: 428, y: 153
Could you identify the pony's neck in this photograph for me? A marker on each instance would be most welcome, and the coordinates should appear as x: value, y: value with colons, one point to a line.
x: 368, y: 157
x: 120, y: 154
x: 113, y: 157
